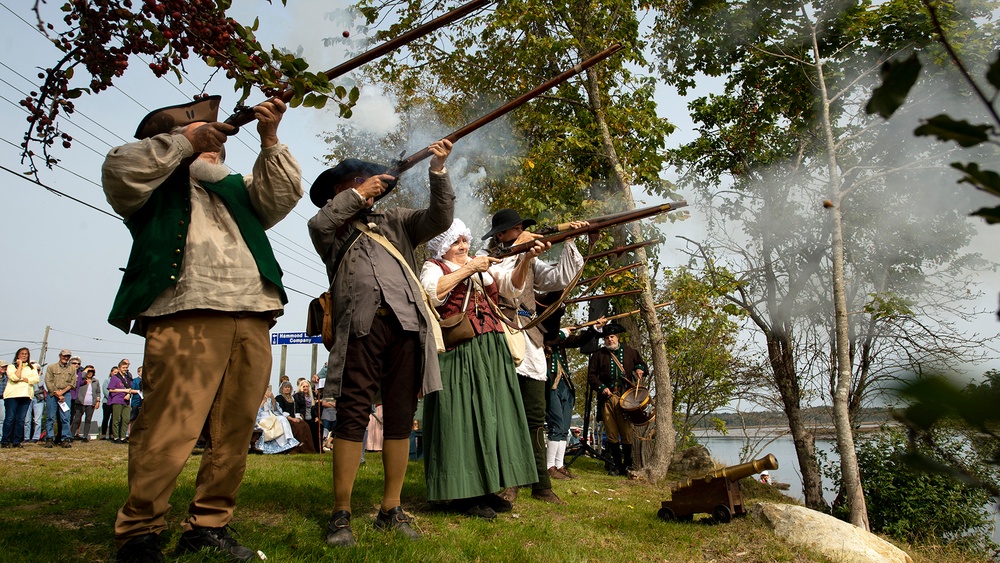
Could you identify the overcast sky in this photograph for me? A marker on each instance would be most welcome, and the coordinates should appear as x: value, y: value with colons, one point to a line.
x: 62, y: 257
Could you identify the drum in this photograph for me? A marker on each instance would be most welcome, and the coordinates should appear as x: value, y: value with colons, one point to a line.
x: 636, y: 406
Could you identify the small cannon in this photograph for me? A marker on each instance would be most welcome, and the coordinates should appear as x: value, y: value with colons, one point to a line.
x: 717, y: 493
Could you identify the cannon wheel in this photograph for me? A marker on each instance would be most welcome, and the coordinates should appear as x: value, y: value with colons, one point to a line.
x: 721, y: 514
x: 666, y: 514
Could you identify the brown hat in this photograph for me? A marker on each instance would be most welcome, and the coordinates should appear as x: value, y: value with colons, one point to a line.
x: 163, y: 120
x: 65, y: 352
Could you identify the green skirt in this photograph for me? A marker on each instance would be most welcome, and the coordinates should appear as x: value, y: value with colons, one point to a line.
x: 476, y: 437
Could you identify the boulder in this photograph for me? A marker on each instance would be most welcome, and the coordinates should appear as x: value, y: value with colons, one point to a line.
x: 692, y: 462
x: 833, y: 538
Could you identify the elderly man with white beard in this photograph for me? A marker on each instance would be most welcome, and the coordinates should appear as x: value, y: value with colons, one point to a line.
x: 202, y: 285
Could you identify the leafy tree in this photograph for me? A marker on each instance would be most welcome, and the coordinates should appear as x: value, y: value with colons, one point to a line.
x: 701, y: 337
x: 788, y: 133
x: 899, y: 76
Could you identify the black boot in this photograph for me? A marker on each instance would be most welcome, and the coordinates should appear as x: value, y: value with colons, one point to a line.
x: 627, y: 461
x: 615, y: 451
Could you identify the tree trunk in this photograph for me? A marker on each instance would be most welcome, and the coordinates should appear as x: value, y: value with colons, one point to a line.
x: 666, y: 440
x: 779, y: 351
x: 849, y: 471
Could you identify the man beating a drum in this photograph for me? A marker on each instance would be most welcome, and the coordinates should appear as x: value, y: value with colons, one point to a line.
x: 614, y: 369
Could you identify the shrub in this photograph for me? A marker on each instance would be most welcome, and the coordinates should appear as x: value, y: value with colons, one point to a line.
x: 917, y: 506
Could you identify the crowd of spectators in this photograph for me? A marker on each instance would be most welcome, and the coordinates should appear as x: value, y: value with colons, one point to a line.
x: 54, y: 404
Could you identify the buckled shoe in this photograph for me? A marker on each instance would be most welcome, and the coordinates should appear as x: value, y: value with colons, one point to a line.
x: 338, y: 531
x: 397, y: 520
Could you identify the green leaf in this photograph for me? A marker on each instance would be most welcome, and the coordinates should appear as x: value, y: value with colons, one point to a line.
x: 320, y: 102
x: 897, y: 79
x: 993, y: 73
x: 355, y: 94
x: 75, y: 93
x: 990, y: 214
x: 986, y: 180
x: 947, y: 129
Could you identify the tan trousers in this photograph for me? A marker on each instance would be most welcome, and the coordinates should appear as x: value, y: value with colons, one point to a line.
x: 615, y: 424
x: 204, y: 374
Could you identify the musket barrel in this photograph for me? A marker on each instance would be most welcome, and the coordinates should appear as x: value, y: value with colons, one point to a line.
x: 606, y: 295
x: 244, y: 115
x: 412, y: 160
x: 621, y: 250
x: 618, y: 218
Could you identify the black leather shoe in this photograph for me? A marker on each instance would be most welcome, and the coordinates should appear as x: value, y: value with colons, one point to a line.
x: 141, y: 549
x: 218, y: 539
x: 473, y: 507
x: 338, y: 531
x: 397, y: 520
x: 497, y: 503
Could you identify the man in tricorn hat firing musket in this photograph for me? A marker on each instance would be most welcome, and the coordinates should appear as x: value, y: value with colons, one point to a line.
x: 383, y: 340
x: 202, y: 285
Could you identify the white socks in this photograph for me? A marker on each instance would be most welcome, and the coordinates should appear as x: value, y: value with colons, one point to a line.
x: 555, y: 453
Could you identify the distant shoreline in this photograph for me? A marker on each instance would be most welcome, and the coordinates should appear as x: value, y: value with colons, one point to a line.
x: 820, y: 432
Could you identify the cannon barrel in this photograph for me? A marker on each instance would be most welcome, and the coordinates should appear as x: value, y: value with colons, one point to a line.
x: 733, y: 472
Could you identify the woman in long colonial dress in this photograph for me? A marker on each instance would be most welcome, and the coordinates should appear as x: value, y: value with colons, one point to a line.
x: 476, y: 439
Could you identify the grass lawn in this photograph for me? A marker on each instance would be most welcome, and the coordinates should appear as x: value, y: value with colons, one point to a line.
x: 60, y: 505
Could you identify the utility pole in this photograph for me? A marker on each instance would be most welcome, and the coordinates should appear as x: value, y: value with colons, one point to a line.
x: 284, y: 354
x: 45, y: 346
x: 313, y: 360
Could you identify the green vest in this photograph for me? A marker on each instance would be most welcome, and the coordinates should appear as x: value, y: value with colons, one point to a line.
x: 159, y: 233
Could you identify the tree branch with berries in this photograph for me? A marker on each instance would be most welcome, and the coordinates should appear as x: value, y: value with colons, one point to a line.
x: 98, y: 37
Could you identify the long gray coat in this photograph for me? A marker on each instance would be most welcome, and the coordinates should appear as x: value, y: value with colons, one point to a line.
x: 406, y: 229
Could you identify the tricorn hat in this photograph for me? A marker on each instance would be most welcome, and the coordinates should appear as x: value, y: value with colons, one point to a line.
x: 612, y: 328
x: 324, y: 188
x: 163, y: 120
x: 507, y: 219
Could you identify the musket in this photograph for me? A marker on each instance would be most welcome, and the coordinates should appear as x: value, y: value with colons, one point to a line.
x: 618, y: 316
x: 608, y: 273
x: 409, y: 162
x: 559, y: 227
x: 602, y: 296
x: 244, y: 114
x: 592, y: 227
x: 622, y: 249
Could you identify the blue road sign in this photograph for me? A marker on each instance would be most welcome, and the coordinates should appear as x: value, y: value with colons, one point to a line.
x: 294, y: 338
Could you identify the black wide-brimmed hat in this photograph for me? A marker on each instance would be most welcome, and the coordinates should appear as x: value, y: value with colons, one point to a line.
x: 507, y: 219
x: 612, y: 328
x: 163, y: 120
x: 323, y: 189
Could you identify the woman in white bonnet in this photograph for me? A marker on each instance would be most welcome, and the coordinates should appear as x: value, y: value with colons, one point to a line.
x: 476, y: 440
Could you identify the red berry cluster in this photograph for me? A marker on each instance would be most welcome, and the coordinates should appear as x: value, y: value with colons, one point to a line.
x: 103, y: 34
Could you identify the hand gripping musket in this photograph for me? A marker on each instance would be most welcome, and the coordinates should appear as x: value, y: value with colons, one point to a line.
x: 410, y: 161
x: 244, y: 114
x: 594, y: 226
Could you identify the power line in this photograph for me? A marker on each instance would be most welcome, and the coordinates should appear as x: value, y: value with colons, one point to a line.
x: 57, y: 192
